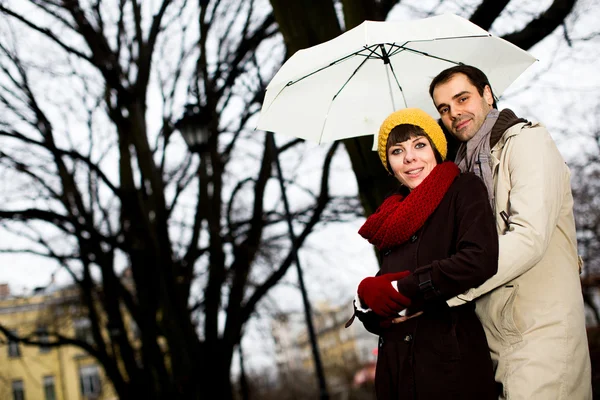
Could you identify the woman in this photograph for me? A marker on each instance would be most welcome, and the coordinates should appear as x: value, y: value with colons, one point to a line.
x: 437, y: 238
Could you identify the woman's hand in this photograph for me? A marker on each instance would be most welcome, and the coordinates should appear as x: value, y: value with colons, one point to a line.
x: 381, y: 296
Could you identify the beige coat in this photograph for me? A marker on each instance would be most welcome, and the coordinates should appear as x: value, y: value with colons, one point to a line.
x: 532, y: 309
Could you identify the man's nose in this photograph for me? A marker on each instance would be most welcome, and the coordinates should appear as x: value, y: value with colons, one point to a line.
x: 455, y: 113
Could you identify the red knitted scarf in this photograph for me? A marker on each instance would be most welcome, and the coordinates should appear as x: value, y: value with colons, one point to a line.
x: 399, y: 217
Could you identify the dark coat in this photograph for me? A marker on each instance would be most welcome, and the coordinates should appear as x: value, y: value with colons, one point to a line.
x: 442, y: 354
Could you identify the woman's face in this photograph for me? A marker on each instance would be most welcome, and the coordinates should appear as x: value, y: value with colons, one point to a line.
x: 412, y: 160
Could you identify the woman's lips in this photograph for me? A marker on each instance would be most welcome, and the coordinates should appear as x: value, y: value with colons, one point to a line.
x: 414, y: 172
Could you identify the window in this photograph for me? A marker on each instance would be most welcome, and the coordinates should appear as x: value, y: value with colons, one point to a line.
x: 83, y: 330
x: 89, y: 378
x: 42, y: 334
x: 49, y: 391
x: 13, y: 347
x: 18, y: 390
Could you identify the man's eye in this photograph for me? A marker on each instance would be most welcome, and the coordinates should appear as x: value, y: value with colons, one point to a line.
x: 463, y: 99
x: 443, y: 110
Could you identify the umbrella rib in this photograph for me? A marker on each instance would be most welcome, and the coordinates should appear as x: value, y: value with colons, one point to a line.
x: 396, y: 48
x: 370, y: 49
x: 331, y: 64
x: 450, y: 38
x: 337, y: 94
x: 404, y: 46
x: 422, y: 53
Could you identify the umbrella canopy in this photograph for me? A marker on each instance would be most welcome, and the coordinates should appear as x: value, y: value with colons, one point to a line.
x: 346, y: 86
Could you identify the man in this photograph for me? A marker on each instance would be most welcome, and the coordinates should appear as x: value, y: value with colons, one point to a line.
x: 532, y: 310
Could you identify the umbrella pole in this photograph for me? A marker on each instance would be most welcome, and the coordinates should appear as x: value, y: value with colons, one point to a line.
x: 388, y: 63
x: 323, y: 394
x: 387, y: 74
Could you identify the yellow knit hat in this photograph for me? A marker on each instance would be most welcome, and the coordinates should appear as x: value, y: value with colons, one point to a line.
x: 413, y: 116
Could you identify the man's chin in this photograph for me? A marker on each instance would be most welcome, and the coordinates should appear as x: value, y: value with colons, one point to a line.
x: 462, y: 136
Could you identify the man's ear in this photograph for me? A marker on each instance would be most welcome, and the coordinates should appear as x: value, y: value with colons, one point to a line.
x: 487, y: 95
x: 453, y: 142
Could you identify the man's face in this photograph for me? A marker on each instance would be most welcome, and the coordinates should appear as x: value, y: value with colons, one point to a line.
x: 461, y: 107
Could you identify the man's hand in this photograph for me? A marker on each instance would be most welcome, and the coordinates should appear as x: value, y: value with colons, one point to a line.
x: 381, y: 297
x: 405, y: 317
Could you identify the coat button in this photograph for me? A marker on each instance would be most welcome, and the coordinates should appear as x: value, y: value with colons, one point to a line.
x: 408, y: 338
x: 387, y: 252
x: 380, y: 341
x: 413, y: 238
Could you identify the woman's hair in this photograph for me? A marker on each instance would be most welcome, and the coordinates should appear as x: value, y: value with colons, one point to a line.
x: 403, y: 132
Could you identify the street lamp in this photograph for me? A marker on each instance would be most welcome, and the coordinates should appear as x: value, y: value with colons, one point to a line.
x: 194, y: 126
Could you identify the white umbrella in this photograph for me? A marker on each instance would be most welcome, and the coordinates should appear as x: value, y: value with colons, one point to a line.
x: 346, y: 86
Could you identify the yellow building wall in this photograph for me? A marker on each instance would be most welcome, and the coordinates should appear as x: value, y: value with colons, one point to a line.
x: 25, y: 315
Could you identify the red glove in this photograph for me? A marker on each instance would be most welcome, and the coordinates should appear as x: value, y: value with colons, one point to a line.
x: 380, y: 296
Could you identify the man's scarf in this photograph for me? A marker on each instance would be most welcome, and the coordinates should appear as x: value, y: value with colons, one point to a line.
x: 474, y: 155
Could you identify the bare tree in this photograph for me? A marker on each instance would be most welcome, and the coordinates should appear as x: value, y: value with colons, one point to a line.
x: 89, y: 96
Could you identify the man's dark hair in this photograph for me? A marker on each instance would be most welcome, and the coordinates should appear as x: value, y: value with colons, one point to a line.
x: 474, y: 75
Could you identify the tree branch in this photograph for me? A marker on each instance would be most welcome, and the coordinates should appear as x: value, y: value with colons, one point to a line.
x: 320, y: 206
x: 46, y: 32
x: 487, y: 12
x: 542, y: 26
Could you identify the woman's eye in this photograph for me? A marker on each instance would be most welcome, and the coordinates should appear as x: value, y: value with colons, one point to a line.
x: 395, y: 152
x: 420, y: 145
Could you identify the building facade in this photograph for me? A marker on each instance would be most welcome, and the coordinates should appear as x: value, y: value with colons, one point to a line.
x: 31, y: 372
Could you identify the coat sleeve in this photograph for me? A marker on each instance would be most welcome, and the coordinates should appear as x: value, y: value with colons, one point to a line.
x: 371, y: 321
x: 539, y: 178
x: 476, y: 256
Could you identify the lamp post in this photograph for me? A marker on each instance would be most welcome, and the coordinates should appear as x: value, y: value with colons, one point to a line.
x: 194, y: 127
